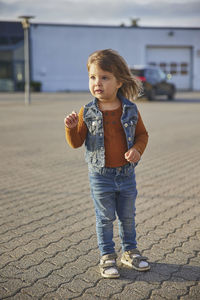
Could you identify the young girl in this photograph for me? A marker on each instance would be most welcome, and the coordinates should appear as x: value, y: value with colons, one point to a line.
x: 115, y: 138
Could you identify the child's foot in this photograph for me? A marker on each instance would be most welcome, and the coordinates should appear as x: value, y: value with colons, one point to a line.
x: 108, y: 266
x: 135, y: 260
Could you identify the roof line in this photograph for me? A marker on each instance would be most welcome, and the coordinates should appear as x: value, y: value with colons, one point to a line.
x: 115, y: 26
x: 33, y: 23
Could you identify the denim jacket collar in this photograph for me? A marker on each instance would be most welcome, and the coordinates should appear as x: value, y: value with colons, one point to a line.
x: 125, y: 102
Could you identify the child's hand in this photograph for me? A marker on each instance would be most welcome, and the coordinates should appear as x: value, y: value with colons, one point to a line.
x: 71, y: 120
x: 132, y: 155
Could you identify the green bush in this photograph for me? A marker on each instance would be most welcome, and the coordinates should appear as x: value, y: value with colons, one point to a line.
x: 35, y: 86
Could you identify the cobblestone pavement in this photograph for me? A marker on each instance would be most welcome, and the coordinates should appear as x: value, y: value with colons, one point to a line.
x: 48, y: 247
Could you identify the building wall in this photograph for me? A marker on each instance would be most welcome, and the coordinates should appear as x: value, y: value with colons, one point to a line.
x: 60, y: 52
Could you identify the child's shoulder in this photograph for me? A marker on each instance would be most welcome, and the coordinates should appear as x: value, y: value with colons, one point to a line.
x: 125, y: 101
x: 128, y: 102
x: 89, y: 104
x: 90, y: 109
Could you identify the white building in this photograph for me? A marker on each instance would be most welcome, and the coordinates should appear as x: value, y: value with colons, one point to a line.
x: 59, y: 52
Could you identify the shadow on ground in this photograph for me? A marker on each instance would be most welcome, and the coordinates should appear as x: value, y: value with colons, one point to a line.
x: 160, y: 272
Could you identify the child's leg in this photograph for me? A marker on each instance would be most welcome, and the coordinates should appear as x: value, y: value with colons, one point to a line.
x: 126, y: 212
x: 125, y: 208
x: 104, y: 198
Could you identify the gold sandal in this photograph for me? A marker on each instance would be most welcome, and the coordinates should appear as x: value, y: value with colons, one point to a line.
x: 135, y: 260
x: 108, y: 266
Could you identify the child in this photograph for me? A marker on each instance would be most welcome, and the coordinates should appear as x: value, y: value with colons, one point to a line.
x: 115, y: 138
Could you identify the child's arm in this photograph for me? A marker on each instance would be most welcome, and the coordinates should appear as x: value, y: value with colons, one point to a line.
x: 75, y: 129
x: 141, y: 139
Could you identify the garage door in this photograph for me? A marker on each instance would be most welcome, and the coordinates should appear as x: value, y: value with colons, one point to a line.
x: 176, y: 61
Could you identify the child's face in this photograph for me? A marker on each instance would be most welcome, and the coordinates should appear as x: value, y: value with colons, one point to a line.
x: 102, y: 84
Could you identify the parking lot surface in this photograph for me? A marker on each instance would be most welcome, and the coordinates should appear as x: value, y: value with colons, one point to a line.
x: 48, y: 247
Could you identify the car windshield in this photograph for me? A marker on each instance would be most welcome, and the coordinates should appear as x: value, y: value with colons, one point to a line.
x: 138, y: 73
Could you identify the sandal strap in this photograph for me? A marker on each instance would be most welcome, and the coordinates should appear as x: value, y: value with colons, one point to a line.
x: 111, y: 256
x: 137, y: 260
x: 108, y: 265
x: 137, y: 252
x: 134, y: 251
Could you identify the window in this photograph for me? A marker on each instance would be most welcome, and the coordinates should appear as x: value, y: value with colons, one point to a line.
x: 10, y: 40
x: 4, y: 40
x: 15, y: 39
x: 163, y: 66
x: 173, y: 68
x: 184, y: 68
x: 6, y: 56
x: 5, y: 70
x: 19, y: 71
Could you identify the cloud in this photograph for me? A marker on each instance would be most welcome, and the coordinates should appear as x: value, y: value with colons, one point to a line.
x: 105, y: 12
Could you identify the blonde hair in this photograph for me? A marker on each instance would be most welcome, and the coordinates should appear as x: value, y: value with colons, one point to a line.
x: 110, y: 61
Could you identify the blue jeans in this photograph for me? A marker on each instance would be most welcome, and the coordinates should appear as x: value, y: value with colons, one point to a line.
x: 114, y: 192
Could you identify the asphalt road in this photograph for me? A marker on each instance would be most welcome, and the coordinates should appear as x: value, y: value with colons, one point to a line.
x: 48, y: 247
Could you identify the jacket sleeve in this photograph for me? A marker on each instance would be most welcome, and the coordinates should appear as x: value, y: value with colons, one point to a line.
x: 77, y: 135
x: 141, y: 136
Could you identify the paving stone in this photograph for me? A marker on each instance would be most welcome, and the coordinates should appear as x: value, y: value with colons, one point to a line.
x: 104, y: 289
x: 22, y: 296
x: 37, y: 290
x: 194, y: 292
x: 135, y: 290
x: 170, y: 290
x: 90, y: 297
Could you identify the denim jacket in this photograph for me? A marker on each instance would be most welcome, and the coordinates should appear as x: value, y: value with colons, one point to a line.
x: 94, y: 143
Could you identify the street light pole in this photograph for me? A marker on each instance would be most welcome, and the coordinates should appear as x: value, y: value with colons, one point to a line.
x: 26, y: 25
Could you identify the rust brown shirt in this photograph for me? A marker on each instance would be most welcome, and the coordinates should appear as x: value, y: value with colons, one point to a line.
x: 114, y: 136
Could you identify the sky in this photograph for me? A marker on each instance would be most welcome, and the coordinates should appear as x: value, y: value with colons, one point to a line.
x: 164, y: 13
